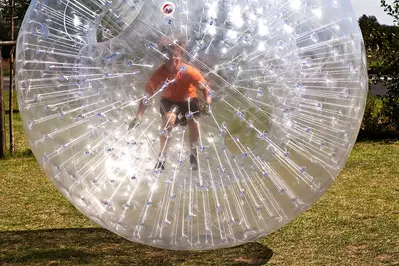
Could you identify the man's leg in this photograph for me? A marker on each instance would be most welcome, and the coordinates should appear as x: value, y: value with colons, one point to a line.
x: 168, y: 122
x: 193, y: 136
x: 194, y: 133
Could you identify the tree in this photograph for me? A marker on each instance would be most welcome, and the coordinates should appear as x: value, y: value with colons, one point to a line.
x: 371, y: 30
x: 389, y: 57
x: 382, y: 44
x: 20, y: 8
x: 391, y: 9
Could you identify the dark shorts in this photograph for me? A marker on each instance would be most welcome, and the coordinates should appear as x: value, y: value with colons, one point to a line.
x: 182, y: 108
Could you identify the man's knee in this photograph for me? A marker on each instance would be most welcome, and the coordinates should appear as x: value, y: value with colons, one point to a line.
x: 192, y: 123
x: 169, y: 119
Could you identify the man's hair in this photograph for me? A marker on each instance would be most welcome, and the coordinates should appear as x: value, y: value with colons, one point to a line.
x: 181, y: 43
x: 172, y: 42
x: 168, y: 46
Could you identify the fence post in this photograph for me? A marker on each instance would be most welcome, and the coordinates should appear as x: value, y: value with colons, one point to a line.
x: 11, y: 95
x: 2, y: 112
x: 11, y: 103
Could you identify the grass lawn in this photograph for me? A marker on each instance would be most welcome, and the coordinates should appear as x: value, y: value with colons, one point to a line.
x: 355, y: 223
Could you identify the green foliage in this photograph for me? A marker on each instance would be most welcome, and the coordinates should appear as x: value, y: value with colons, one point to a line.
x: 370, y: 124
x: 391, y: 9
x: 375, y: 124
x: 6, y: 72
x: 21, y: 6
x: 382, y: 45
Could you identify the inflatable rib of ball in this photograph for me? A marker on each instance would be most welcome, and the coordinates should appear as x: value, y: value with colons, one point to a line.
x: 191, y: 124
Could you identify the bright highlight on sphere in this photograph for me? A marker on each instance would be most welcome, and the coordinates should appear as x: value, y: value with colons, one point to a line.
x: 287, y: 82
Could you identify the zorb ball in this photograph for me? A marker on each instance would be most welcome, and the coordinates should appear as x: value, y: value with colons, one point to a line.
x: 286, y: 81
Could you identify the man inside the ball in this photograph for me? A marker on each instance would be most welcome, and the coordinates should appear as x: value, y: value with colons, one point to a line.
x: 177, y: 84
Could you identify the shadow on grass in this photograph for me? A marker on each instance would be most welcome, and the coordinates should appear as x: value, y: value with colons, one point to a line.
x: 101, y: 247
x: 386, y: 137
x: 26, y: 153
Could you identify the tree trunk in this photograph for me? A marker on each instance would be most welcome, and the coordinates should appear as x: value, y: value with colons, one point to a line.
x: 2, y: 112
x: 11, y: 98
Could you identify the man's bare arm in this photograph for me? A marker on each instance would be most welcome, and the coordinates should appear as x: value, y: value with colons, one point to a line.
x: 141, y: 110
x: 206, y: 90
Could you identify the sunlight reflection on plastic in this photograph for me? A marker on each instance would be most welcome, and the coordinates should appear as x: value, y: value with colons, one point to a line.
x: 288, y: 84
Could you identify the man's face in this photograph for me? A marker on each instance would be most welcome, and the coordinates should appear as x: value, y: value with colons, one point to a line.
x: 174, y: 54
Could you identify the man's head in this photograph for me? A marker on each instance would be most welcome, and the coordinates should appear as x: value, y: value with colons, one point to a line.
x: 173, y: 52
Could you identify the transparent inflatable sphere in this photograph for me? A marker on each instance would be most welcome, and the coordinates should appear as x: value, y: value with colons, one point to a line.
x: 190, y: 124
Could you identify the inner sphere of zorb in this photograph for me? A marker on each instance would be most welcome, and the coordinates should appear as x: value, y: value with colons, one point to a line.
x: 287, y: 82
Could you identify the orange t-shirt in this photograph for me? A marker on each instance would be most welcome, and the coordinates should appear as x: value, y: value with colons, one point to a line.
x: 184, y: 86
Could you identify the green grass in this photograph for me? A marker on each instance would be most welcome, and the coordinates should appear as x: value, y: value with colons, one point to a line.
x: 6, y: 72
x: 355, y: 223
x: 20, y: 142
x: 374, y: 63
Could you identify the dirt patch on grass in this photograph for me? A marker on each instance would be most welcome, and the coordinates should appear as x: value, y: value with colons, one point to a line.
x: 356, y: 248
x: 155, y: 253
x: 385, y: 257
x: 245, y: 260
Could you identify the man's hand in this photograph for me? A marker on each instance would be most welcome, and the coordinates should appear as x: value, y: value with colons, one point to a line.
x: 206, y: 109
x: 134, y: 123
